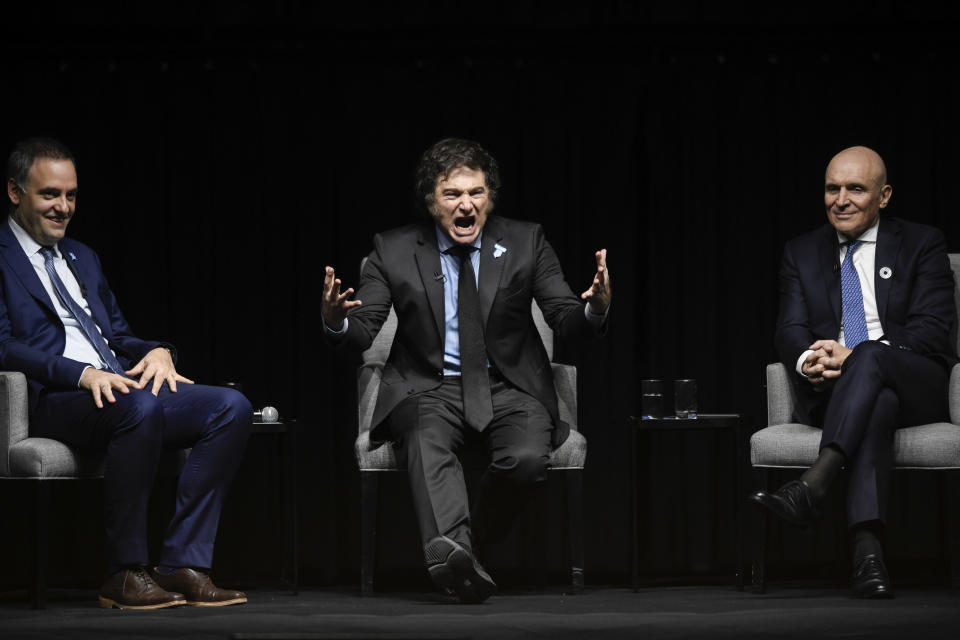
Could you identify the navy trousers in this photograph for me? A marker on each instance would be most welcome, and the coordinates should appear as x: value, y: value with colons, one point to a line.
x: 880, y: 389
x: 428, y: 430
x: 214, y: 421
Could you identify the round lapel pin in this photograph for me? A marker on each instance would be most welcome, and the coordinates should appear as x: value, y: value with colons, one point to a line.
x: 886, y: 272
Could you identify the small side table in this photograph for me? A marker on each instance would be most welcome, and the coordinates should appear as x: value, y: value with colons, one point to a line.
x: 285, y: 458
x: 703, y: 422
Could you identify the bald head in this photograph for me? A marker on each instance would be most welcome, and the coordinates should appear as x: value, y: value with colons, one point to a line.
x: 864, y: 157
x: 855, y: 190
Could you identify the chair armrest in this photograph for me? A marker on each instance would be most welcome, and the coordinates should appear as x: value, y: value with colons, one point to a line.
x: 781, y: 395
x: 565, y: 382
x: 954, y: 394
x: 14, y: 425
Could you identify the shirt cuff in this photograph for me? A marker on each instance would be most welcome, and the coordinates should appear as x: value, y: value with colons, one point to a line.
x: 596, y: 320
x: 803, y: 356
x: 334, y: 332
x: 81, y: 375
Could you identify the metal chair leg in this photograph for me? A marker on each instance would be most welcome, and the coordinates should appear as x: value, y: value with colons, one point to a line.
x: 368, y: 529
x: 951, y: 521
x: 41, y: 538
x: 759, y: 565
x: 574, y: 499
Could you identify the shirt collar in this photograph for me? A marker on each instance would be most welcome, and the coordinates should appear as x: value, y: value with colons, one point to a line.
x: 870, y: 235
x: 27, y: 243
x: 444, y: 243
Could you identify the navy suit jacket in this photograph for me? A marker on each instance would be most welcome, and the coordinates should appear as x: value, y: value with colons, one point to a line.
x: 915, y: 304
x: 402, y: 271
x: 32, y: 337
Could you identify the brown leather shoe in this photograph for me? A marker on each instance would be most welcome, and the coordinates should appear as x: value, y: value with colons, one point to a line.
x: 135, y: 589
x: 198, y: 588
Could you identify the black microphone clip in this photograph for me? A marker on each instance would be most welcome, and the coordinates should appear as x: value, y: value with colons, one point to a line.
x: 439, y: 276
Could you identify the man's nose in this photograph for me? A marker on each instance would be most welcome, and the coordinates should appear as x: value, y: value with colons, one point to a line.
x: 62, y: 205
x: 465, y: 204
x: 843, y: 198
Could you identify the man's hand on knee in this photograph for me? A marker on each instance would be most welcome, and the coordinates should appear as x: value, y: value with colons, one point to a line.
x: 158, y: 366
x: 101, y: 384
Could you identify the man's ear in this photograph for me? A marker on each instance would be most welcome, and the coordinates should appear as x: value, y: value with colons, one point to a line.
x: 885, y: 192
x: 13, y: 191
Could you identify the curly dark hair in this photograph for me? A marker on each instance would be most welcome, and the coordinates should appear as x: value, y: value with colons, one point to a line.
x: 448, y: 154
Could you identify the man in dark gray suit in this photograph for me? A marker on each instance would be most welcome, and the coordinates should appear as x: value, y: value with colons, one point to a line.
x: 467, y: 358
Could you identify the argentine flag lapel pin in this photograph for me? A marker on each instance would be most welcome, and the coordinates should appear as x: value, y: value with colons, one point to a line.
x: 498, y: 250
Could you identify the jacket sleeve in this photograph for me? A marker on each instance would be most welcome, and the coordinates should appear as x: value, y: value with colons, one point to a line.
x: 35, y: 363
x: 931, y: 310
x: 562, y: 309
x: 793, y: 333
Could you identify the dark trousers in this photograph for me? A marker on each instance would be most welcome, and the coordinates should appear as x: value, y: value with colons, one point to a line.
x: 428, y: 430
x: 881, y: 388
x: 214, y: 421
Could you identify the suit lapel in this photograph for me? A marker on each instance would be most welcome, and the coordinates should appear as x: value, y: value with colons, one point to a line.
x: 491, y: 267
x: 427, y: 256
x: 86, y: 274
x: 830, y: 271
x: 888, y: 247
x: 17, y: 259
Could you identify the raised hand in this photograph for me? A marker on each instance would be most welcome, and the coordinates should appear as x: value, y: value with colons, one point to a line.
x: 335, y: 304
x: 599, y: 293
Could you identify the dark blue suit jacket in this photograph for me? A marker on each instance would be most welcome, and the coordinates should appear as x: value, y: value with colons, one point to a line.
x: 32, y: 336
x: 916, y: 303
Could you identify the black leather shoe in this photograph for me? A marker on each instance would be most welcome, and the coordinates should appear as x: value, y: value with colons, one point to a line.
x: 870, y: 579
x: 454, y: 569
x: 792, y: 502
x: 134, y: 589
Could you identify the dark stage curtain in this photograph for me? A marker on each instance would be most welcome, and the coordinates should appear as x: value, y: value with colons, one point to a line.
x: 227, y: 158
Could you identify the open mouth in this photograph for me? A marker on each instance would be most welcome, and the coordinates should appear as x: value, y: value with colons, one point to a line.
x: 58, y: 218
x: 464, y: 225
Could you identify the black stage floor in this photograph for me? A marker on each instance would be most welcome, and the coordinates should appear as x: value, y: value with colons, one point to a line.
x: 788, y: 611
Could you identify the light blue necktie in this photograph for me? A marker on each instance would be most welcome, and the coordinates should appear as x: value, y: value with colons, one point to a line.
x: 854, y: 320
x: 86, y: 322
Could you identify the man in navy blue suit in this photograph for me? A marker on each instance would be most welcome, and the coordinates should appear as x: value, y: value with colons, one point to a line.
x: 866, y: 313
x: 97, y: 387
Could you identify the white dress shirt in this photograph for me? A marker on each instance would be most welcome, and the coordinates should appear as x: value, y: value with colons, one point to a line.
x: 77, y: 346
x: 864, y: 261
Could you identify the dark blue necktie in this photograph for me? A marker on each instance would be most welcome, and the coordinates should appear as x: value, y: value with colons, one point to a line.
x: 854, y: 320
x: 86, y: 322
x: 474, y: 377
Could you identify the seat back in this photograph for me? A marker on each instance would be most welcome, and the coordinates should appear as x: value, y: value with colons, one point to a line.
x: 13, y: 415
x: 955, y: 266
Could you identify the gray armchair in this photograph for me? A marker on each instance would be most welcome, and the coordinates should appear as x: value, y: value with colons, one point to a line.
x: 39, y: 462
x: 373, y: 462
x: 784, y: 444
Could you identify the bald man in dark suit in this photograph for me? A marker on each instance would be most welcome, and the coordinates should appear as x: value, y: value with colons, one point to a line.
x: 866, y: 313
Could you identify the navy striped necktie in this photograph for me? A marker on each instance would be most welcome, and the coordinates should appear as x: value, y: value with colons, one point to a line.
x: 86, y: 322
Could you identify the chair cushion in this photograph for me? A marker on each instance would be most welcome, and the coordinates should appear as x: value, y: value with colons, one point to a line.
x: 929, y: 446
x: 46, y: 458
x: 571, y: 455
